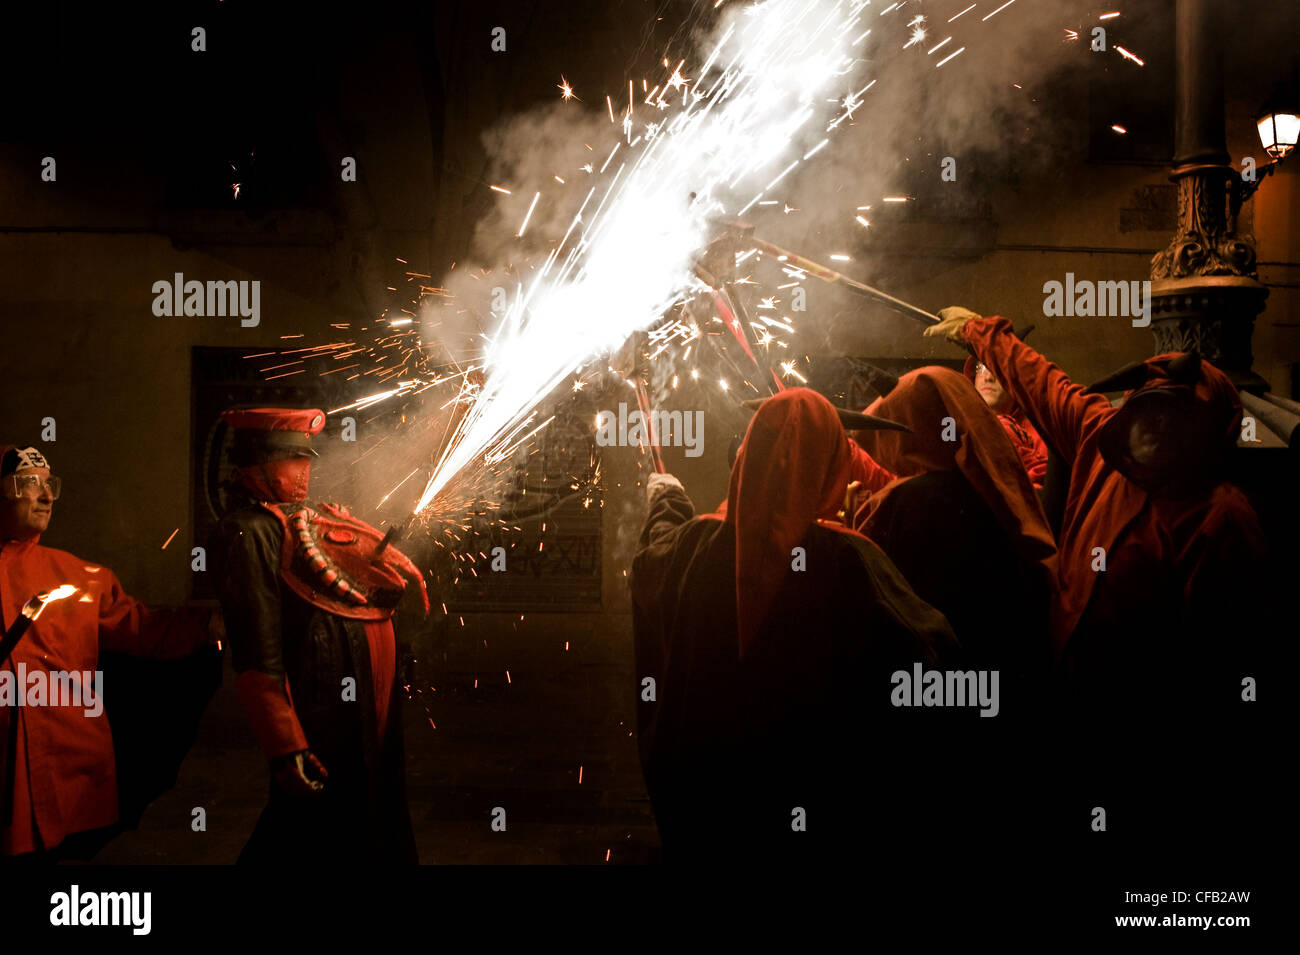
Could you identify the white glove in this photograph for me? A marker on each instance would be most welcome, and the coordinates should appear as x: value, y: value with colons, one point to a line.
x: 951, y: 321
x: 656, y: 484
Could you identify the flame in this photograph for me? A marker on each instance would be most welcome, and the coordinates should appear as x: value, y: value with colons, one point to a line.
x: 59, y: 592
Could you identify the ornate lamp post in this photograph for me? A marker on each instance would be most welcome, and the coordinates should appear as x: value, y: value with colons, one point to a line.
x: 1205, y: 290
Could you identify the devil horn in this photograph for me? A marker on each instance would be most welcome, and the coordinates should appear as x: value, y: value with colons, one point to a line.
x: 1185, y: 369
x: 1127, y: 378
x: 861, y: 421
x: 852, y: 420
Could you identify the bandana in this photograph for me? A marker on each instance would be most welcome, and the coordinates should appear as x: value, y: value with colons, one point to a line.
x: 18, y: 459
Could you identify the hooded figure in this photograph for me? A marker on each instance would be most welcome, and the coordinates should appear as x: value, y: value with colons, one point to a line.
x: 1155, y: 542
x: 59, y: 797
x: 766, y: 634
x: 961, y: 520
x: 308, y: 603
x: 1024, y: 436
x: 1160, y: 559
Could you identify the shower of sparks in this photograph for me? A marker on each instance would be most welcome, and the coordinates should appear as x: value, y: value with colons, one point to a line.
x: 738, y: 121
x: 566, y: 91
x: 967, y: 10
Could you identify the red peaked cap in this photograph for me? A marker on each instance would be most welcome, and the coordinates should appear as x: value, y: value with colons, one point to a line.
x: 307, y: 420
x: 790, y: 473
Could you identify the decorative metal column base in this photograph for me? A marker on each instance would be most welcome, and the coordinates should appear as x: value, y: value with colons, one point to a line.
x: 1214, y: 314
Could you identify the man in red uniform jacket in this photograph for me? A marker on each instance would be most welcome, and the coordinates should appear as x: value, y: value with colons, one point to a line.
x: 60, y: 793
x: 316, y: 669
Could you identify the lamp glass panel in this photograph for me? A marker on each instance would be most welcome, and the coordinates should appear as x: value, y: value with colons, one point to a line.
x: 1288, y: 128
x: 1266, y: 134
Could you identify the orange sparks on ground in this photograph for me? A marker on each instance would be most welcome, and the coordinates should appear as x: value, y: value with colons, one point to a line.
x: 169, y: 539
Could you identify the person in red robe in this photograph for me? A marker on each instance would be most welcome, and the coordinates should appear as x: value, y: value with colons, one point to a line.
x: 1029, y: 444
x: 957, y: 480
x: 1159, y: 555
x: 766, y: 633
x: 60, y: 792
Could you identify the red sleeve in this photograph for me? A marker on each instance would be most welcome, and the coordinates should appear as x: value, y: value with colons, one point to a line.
x: 1054, y: 404
x: 128, y: 626
x: 866, y: 471
x: 271, y: 713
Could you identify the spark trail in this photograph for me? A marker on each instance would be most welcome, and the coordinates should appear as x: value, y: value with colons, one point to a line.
x: 710, y: 146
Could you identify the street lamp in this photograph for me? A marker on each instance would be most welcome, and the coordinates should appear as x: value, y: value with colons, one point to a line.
x: 1279, y: 123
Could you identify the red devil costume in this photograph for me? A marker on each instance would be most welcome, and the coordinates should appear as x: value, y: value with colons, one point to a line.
x: 961, y: 519
x: 1159, y: 568
x: 58, y: 760
x: 308, y: 596
x: 769, y: 631
x: 1174, y: 557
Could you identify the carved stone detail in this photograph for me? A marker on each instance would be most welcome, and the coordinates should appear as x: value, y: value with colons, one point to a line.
x: 1204, y: 244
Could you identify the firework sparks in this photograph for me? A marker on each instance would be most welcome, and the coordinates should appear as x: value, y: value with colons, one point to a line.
x: 949, y: 57
x: 1129, y: 56
x: 740, y: 116
x: 998, y: 10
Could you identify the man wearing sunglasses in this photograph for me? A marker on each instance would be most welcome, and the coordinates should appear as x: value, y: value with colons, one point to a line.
x: 58, y: 788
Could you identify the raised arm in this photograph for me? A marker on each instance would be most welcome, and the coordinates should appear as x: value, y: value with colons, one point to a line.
x: 1056, y: 405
